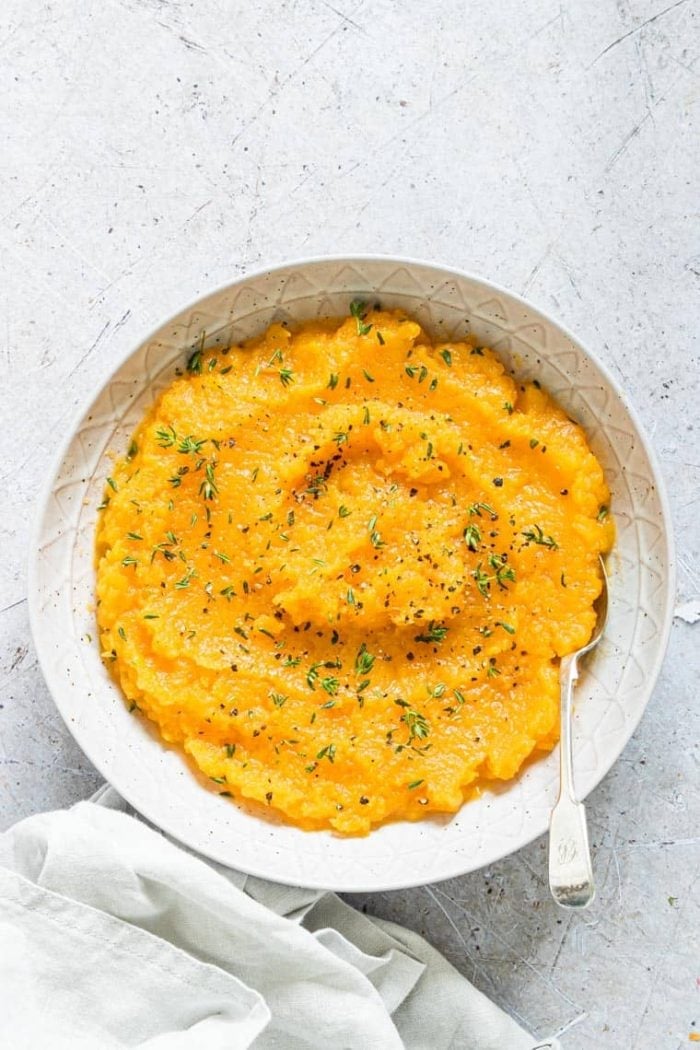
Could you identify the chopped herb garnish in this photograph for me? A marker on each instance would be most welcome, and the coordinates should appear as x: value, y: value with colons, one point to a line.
x: 327, y: 752
x: 185, y: 581
x: 208, y: 489
x: 446, y: 355
x: 368, y: 377
x: 129, y: 560
x: 476, y: 509
x: 536, y: 535
x: 190, y: 445
x: 333, y: 381
x: 112, y: 484
x: 380, y: 337
x: 222, y: 557
x: 416, y: 723
x: 316, y: 485
x: 472, y: 536
x: 499, y: 563
x: 343, y: 511
x: 375, y: 537
x: 228, y: 593
x: 435, y: 633
x: 506, y: 626
x: 508, y: 407
x: 132, y: 450
x: 502, y: 572
x: 534, y: 442
x: 341, y: 437
x: 312, y: 675
x: 603, y: 513
x: 415, y: 784
x: 278, y: 699
x: 358, y: 310
x: 364, y: 661
x: 286, y: 376
x: 483, y: 580
x: 331, y: 685
x: 134, y: 536
x: 194, y: 362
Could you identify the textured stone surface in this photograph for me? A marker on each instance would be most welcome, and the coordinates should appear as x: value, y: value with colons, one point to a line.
x: 154, y: 149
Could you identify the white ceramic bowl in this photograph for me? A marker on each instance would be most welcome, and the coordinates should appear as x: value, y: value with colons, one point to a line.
x: 612, y: 694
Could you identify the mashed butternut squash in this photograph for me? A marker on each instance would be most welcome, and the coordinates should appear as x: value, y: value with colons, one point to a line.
x: 339, y: 565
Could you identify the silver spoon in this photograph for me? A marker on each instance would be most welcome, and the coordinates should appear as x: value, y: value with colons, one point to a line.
x: 570, y: 870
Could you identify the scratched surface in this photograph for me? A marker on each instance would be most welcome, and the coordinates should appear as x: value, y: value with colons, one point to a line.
x: 155, y: 148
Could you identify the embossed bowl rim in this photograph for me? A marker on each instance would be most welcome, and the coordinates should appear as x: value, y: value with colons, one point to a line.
x: 316, y: 868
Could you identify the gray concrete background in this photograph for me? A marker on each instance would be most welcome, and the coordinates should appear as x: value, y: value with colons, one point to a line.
x: 152, y: 149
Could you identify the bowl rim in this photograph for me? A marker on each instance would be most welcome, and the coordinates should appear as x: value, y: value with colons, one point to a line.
x: 458, y: 868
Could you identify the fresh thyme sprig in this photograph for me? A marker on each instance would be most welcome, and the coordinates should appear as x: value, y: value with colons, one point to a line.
x: 364, y: 661
x: 208, y: 488
x: 358, y: 310
x: 416, y: 723
x: 472, y: 537
x: 476, y: 509
x: 435, y: 633
x: 502, y: 572
x: 375, y: 537
x: 535, y: 535
x: 190, y: 445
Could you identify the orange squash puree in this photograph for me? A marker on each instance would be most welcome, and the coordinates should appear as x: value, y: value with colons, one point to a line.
x: 339, y: 564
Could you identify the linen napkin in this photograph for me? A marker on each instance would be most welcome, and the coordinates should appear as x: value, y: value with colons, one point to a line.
x: 113, y: 936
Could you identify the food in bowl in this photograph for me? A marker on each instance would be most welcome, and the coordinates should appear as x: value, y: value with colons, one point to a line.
x: 339, y: 564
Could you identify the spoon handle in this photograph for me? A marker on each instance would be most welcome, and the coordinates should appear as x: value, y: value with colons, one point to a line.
x: 570, y: 871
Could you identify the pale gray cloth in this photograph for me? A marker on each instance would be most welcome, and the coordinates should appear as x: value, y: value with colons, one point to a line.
x: 112, y: 936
